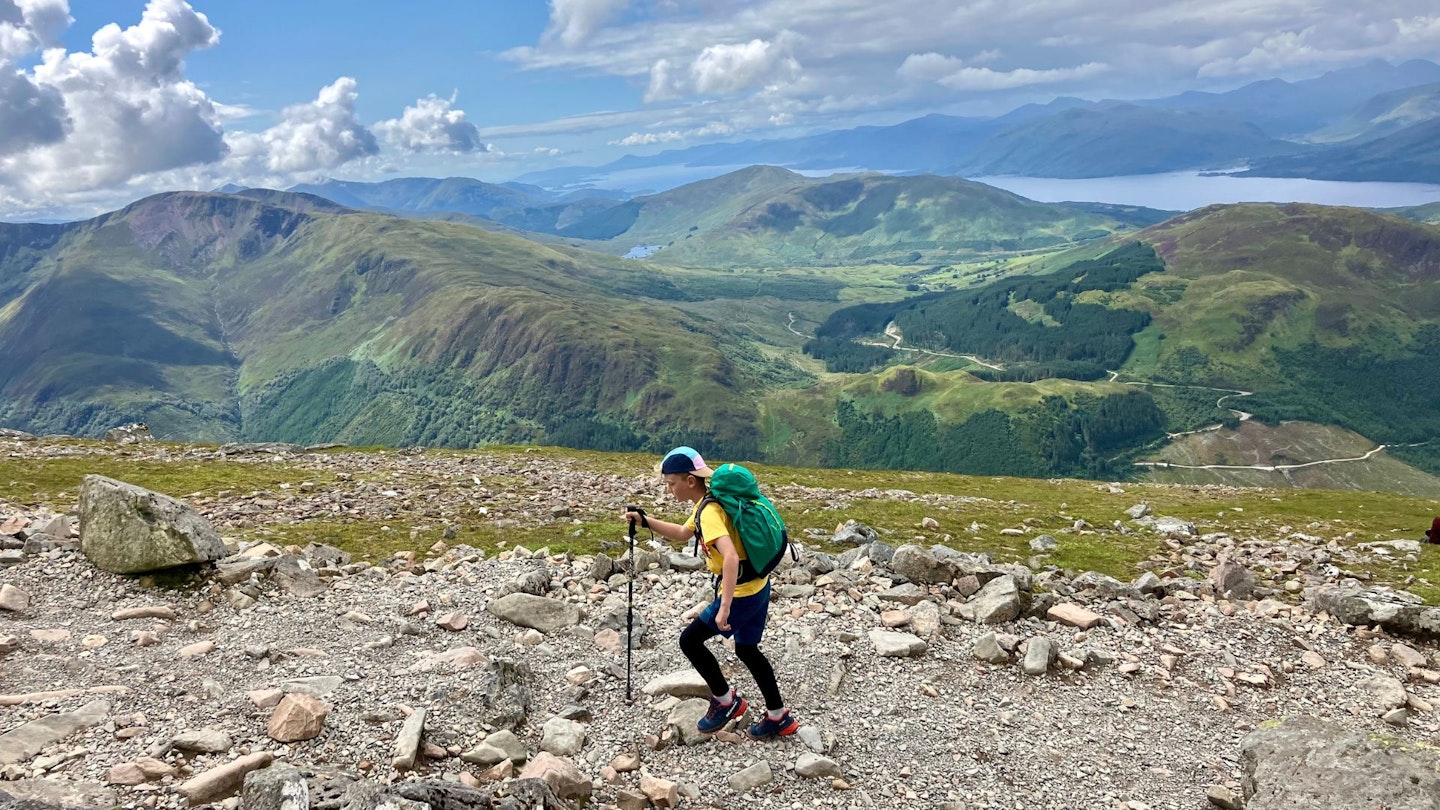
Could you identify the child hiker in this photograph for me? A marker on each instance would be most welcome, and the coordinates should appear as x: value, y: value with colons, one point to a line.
x: 739, y: 609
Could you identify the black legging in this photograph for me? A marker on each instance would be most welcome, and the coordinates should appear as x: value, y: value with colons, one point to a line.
x: 692, y: 643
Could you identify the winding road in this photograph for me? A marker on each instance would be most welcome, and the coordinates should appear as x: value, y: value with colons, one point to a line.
x: 1219, y: 403
x: 893, y: 332
x: 1265, y: 467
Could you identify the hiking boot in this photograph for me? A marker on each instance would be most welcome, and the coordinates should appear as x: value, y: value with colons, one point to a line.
x: 719, y: 716
x: 767, y: 728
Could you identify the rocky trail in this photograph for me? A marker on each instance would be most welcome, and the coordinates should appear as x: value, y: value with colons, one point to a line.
x: 1233, y: 668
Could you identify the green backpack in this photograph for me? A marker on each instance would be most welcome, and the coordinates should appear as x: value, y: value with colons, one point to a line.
x: 755, y: 518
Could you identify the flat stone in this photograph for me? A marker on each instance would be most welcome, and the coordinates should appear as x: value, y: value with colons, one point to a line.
x: 498, y: 747
x: 680, y: 683
x: 35, y: 736
x: 457, y: 658
x: 315, y: 686
x: 750, y: 778
x: 225, y: 780
x: 536, y: 612
x: 407, y: 742
x: 814, y: 766
x: 202, y: 741
x: 154, y: 612
x: 54, y: 792
x: 197, y: 649
x: 1074, y: 615
x: 13, y: 599
x: 891, y: 644
x: 453, y: 621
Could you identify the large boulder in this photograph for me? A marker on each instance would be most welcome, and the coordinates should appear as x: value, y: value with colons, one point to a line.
x: 1389, y: 610
x: 127, y: 529
x: 1308, y: 762
x: 1001, y: 600
x: 923, y: 567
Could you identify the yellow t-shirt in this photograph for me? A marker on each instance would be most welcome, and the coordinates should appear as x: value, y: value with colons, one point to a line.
x: 715, y: 524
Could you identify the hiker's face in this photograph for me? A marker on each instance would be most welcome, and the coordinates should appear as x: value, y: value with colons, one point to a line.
x: 684, y: 486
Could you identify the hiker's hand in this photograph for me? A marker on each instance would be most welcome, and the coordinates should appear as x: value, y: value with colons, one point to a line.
x: 637, y: 517
x: 722, y: 617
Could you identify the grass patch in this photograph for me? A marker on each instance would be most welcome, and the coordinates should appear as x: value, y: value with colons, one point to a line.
x: 55, y: 482
x: 894, y: 503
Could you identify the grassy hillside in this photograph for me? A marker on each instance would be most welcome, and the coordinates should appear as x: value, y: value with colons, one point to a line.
x: 1429, y: 212
x: 217, y: 317
x: 768, y: 217
x: 1324, y: 314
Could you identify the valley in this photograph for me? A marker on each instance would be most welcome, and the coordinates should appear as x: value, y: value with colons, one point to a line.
x: 928, y: 323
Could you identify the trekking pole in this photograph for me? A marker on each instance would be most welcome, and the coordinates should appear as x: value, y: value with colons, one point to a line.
x: 630, y: 604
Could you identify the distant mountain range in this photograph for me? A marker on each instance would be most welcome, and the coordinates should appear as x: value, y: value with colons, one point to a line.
x: 1077, y: 138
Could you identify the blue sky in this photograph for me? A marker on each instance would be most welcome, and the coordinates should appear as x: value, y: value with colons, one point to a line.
x: 103, y: 101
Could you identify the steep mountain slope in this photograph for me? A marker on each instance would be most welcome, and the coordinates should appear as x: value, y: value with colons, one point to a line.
x: 1328, y: 314
x: 215, y: 316
x: 1410, y: 155
x: 766, y: 216
x: 1120, y: 139
x: 1383, y: 115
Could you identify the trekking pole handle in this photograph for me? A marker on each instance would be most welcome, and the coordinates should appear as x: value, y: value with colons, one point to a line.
x: 643, y: 521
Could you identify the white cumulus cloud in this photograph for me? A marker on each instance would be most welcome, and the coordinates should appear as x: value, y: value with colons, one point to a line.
x: 432, y: 125
x: 129, y: 108
x: 315, y: 136
x: 724, y: 69
x: 28, y: 25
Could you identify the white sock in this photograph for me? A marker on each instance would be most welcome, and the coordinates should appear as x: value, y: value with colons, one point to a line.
x: 775, y: 714
x: 727, y: 699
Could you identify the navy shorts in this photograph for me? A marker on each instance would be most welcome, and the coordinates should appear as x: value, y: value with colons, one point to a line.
x: 747, y: 616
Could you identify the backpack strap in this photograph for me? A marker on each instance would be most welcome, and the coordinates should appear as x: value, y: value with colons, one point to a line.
x: 747, y: 568
x: 700, y: 510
